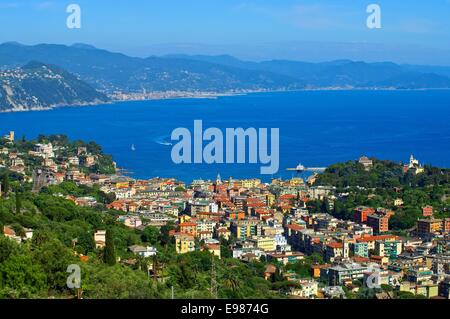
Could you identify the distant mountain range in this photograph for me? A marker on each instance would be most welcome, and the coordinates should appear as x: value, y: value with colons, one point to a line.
x: 108, y: 72
x: 111, y: 72
x: 342, y: 73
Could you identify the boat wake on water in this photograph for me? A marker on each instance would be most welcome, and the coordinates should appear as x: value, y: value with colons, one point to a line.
x: 163, y: 140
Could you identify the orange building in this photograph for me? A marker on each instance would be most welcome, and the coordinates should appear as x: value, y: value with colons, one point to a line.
x: 427, y: 211
x: 238, y: 215
x: 315, y: 269
x: 188, y: 228
x: 361, y: 213
x: 446, y: 225
x: 379, y: 224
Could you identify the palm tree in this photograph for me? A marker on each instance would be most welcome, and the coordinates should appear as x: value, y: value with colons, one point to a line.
x: 231, y: 282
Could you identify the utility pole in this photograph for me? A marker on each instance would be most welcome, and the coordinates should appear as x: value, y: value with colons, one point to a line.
x: 213, y: 279
x: 173, y: 293
x: 155, y: 268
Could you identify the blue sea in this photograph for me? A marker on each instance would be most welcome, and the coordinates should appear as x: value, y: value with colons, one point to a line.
x: 317, y: 128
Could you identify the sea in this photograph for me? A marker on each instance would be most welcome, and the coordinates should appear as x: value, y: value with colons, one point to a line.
x: 317, y: 129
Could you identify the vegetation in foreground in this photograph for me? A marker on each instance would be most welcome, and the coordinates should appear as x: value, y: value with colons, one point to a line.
x: 63, y: 234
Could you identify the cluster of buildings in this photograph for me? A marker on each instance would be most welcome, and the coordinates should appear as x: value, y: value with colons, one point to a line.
x: 55, y: 165
x: 144, y: 95
x: 274, y: 222
x: 12, y: 75
x: 414, y: 165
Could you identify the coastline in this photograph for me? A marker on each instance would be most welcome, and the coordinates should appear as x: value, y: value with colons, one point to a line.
x: 395, y: 142
x: 54, y: 106
x: 169, y: 95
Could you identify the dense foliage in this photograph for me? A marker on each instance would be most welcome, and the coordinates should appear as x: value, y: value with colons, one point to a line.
x: 63, y: 149
x: 63, y: 233
x: 382, y: 185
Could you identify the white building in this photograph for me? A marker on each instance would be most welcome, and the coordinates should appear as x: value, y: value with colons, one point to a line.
x: 143, y: 251
x: 308, y: 289
x: 100, y: 238
x: 44, y: 150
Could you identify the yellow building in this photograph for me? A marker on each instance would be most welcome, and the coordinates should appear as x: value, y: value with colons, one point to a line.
x: 250, y: 183
x: 184, y: 218
x: 270, y: 199
x: 428, y: 290
x: 11, y: 136
x: 398, y: 202
x: 184, y: 243
x: 223, y: 232
x: 214, y: 249
x: 265, y: 243
x: 122, y: 185
x: 276, y: 181
x: 296, y: 181
x: 244, y: 229
x: 429, y: 226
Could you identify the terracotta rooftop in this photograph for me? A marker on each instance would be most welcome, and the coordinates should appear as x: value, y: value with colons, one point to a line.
x: 374, y: 238
x: 335, y: 245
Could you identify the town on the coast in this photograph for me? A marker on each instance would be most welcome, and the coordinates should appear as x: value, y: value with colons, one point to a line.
x: 363, y: 229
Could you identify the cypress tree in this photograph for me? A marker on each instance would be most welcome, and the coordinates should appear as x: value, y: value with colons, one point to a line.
x: 5, y: 184
x: 109, y: 253
x: 18, y: 203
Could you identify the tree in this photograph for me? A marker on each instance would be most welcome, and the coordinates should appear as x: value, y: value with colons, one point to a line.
x: 225, y: 250
x: 116, y: 282
x: 18, y: 203
x: 7, y: 247
x: 5, y: 184
x: 54, y: 257
x: 106, y: 198
x: 85, y: 242
x: 150, y: 235
x: 231, y: 282
x: 316, y: 258
x: 302, y: 268
x: 109, y: 253
x: 408, y: 295
x: 164, y: 236
x: 325, y: 207
x: 21, y: 277
x: 277, y: 276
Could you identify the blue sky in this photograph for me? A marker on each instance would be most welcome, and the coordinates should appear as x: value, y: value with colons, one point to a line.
x: 413, y: 31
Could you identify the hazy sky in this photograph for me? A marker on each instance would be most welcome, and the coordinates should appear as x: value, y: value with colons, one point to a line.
x: 413, y: 31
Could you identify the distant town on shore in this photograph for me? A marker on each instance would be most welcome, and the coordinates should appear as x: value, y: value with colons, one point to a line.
x: 45, y: 76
